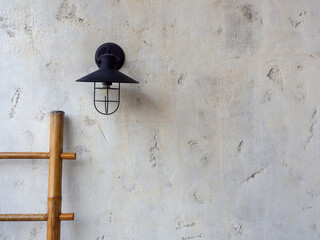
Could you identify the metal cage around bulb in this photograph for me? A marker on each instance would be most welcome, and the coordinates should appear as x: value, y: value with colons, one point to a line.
x: 106, y: 100
x: 109, y: 58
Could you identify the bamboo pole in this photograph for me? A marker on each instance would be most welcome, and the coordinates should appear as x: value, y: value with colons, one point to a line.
x: 55, y: 175
x: 33, y: 217
x: 34, y: 155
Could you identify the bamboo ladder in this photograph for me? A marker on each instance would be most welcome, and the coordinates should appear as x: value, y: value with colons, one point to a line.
x: 55, y: 156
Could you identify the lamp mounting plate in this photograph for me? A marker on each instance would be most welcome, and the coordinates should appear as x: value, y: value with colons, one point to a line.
x: 110, y: 48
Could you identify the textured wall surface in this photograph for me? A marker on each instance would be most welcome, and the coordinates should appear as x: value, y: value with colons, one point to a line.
x: 220, y: 140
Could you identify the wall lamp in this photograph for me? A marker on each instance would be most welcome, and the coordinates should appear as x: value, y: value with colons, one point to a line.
x: 106, y: 97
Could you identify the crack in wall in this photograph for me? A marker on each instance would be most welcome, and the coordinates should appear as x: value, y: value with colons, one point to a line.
x: 192, y: 143
x: 311, y: 129
x: 14, y: 100
x: 238, y: 229
x: 275, y: 76
x: 252, y: 176
x: 180, y: 226
x: 240, y: 146
x: 153, y: 150
x: 201, y: 235
x: 295, y: 22
x: 197, y: 198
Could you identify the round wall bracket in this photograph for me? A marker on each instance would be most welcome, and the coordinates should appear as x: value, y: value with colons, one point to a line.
x: 113, y: 49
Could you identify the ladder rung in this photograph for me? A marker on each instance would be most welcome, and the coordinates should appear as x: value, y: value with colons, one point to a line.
x: 23, y: 217
x: 66, y: 216
x: 33, y: 217
x: 34, y: 155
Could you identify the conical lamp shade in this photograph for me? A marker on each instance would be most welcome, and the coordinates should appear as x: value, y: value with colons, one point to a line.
x: 108, y: 76
x: 107, y: 73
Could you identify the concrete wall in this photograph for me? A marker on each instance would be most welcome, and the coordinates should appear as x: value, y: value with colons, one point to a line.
x: 218, y: 141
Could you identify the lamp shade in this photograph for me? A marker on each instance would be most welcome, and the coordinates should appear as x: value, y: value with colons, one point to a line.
x: 107, y: 72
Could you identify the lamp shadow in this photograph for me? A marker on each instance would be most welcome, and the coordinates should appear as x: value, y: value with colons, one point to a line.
x: 140, y: 104
x: 68, y: 133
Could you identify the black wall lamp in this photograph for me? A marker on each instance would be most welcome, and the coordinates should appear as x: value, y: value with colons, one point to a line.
x: 109, y: 58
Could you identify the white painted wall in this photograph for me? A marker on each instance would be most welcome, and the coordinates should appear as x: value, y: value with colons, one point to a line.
x: 218, y: 141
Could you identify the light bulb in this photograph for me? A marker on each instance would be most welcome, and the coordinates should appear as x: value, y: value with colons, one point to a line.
x: 104, y: 90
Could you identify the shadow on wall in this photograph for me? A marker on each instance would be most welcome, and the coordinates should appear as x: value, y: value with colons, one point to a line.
x: 68, y: 134
x: 141, y: 104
